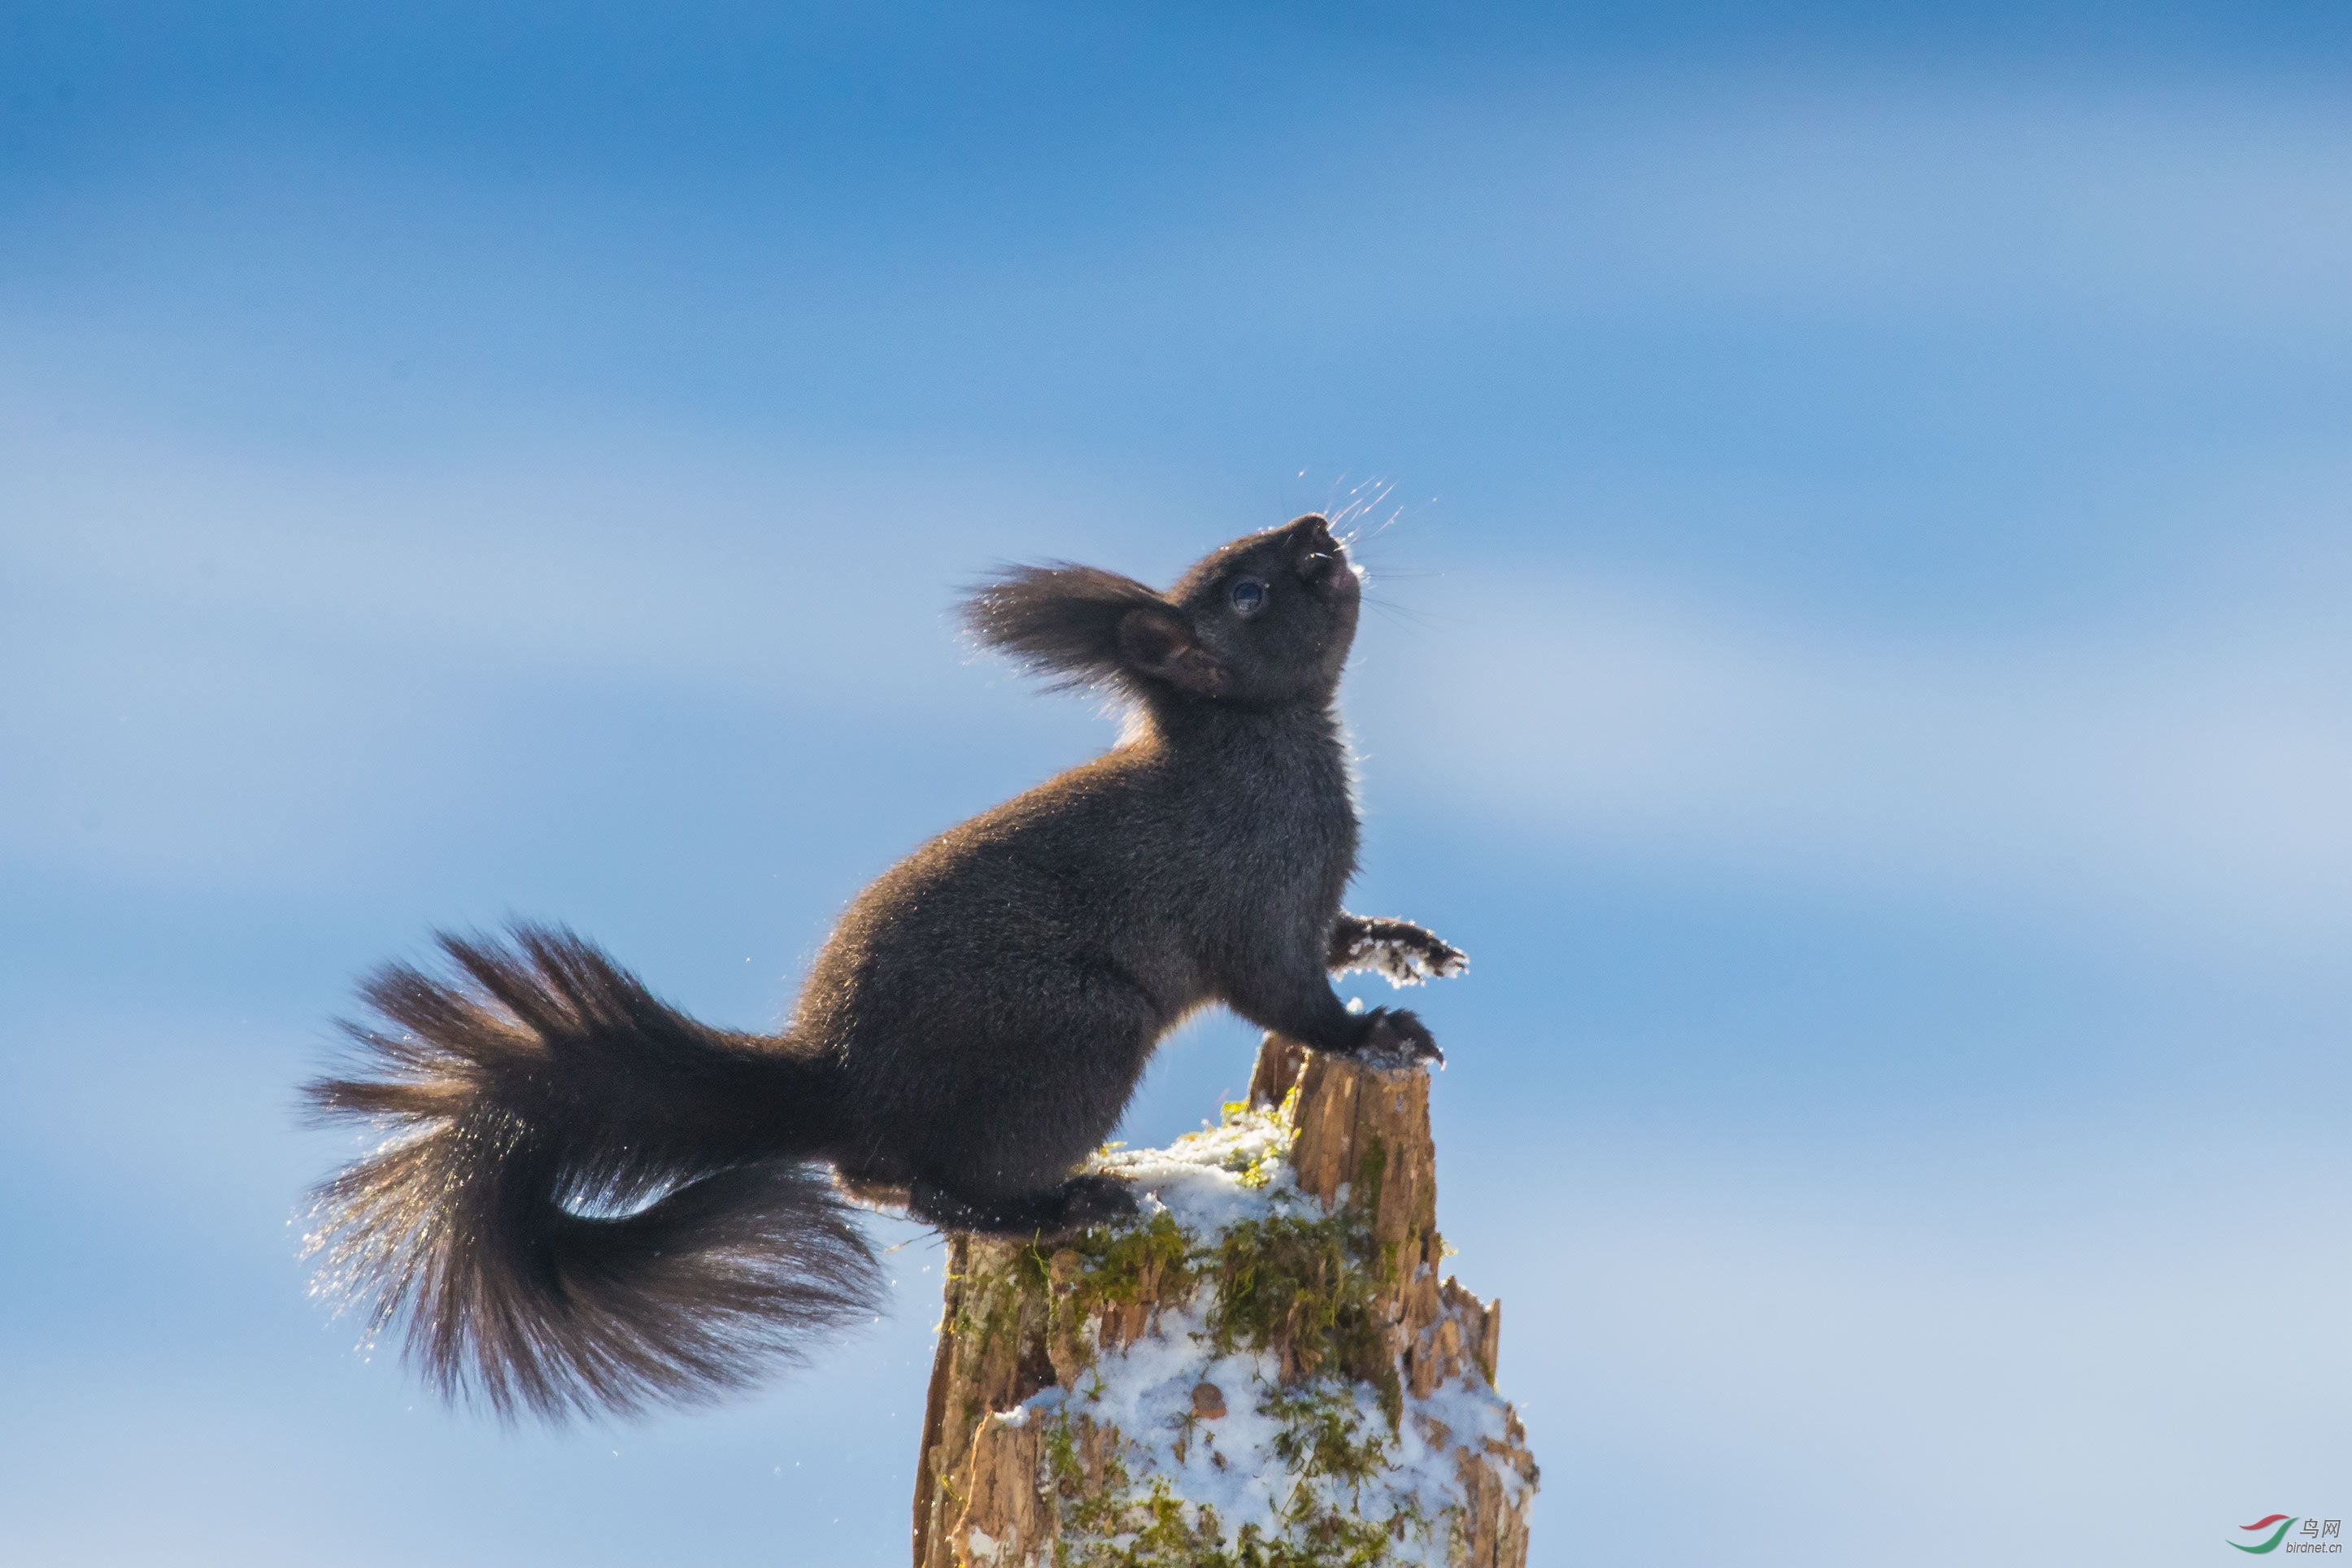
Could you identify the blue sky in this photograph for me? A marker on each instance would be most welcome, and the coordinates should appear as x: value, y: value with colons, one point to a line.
x: 1861, y: 507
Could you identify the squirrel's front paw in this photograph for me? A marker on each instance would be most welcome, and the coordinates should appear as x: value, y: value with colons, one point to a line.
x: 1397, y: 1039
x: 1400, y: 952
x: 1429, y: 955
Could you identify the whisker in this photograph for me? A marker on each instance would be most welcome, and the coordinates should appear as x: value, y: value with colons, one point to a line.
x: 1394, y: 517
x: 1422, y: 619
x: 1364, y: 497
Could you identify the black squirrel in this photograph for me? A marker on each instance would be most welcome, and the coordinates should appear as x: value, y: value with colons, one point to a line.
x: 594, y: 1200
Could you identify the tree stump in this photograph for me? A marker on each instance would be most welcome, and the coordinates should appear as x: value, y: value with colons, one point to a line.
x: 1264, y: 1371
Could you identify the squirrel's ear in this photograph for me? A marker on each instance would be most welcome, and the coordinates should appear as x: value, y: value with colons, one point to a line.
x: 1155, y: 641
x: 1061, y: 620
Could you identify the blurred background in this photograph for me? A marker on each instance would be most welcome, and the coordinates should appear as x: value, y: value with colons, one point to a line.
x: 1858, y: 497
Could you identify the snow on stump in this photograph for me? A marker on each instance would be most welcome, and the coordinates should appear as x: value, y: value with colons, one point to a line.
x: 1260, y: 1372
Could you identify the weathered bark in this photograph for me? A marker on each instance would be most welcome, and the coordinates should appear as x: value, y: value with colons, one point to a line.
x: 1020, y: 1464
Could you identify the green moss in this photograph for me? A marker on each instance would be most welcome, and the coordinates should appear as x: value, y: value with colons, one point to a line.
x: 1115, y: 1263
x: 993, y: 1310
x: 1260, y: 1171
x: 1062, y: 1465
x: 1322, y: 1436
x: 1119, y: 1527
x: 1056, y: 1294
x: 1282, y: 1283
x: 1391, y: 1388
x: 1297, y: 1288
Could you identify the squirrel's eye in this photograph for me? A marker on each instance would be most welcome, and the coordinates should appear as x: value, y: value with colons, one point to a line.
x: 1249, y: 597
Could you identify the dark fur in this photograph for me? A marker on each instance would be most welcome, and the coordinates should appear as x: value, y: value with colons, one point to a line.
x: 597, y: 1200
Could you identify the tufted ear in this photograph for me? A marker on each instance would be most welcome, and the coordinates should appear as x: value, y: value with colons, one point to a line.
x: 1156, y: 642
x: 1061, y: 620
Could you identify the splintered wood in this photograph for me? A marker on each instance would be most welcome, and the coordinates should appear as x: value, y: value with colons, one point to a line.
x: 1270, y: 1372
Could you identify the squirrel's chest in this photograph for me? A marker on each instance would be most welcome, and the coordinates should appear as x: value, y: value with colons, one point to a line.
x: 1291, y: 814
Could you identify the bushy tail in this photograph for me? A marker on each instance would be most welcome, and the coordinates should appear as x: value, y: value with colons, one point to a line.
x: 591, y: 1201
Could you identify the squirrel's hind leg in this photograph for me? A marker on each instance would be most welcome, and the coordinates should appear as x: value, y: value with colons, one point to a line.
x: 1080, y: 1202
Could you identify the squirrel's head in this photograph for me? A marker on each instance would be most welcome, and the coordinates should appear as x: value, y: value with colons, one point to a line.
x: 1263, y: 622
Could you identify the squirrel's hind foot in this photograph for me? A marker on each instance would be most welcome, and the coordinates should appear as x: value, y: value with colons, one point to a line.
x: 1076, y: 1204
x: 1397, y: 1039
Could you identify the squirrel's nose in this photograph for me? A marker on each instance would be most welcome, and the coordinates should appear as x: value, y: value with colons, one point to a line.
x: 1318, y: 552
